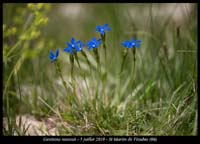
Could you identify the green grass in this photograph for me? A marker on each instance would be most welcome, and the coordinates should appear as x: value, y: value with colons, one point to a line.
x: 156, y: 97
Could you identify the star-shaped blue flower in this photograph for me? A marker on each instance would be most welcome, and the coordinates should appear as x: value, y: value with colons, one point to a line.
x: 102, y: 29
x: 132, y: 43
x: 74, y: 46
x: 53, y: 56
x: 94, y: 43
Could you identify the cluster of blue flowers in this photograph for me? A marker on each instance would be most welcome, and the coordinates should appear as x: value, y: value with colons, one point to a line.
x: 77, y: 46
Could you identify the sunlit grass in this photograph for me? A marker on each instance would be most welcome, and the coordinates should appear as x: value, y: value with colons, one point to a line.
x: 156, y: 97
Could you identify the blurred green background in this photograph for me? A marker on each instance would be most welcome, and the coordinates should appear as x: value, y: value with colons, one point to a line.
x: 163, y: 100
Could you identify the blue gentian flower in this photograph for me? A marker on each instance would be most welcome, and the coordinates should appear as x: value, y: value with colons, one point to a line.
x: 102, y: 29
x: 93, y: 43
x: 132, y: 43
x: 53, y: 56
x: 126, y: 44
x: 135, y: 43
x: 74, y: 46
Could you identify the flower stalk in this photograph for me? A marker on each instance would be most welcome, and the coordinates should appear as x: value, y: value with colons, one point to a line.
x: 60, y: 73
x: 103, y: 37
x: 133, y: 70
x: 83, y: 74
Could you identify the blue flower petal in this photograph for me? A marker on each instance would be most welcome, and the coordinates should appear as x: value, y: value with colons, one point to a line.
x: 102, y: 29
x: 126, y: 43
x: 138, y: 41
x: 108, y: 29
x: 68, y: 49
x: 77, y: 48
x: 73, y: 41
x: 51, y: 57
x: 89, y: 48
x: 132, y: 43
x: 94, y: 43
x: 137, y: 45
x: 81, y: 45
x: 99, y: 41
x: 102, y: 32
x: 74, y: 46
x: 98, y: 27
x: 57, y: 53
x: 69, y: 44
x: 51, y: 53
x: 132, y: 40
x: 89, y: 43
x: 105, y: 25
x: 94, y: 40
x: 78, y: 42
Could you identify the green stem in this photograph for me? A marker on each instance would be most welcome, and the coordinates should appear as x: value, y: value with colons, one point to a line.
x: 72, y: 75
x: 119, y: 76
x: 82, y: 73
x: 133, y: 70
x: 64, y: 83
x: 125, y: 53
x: 88, y: 62
x: 19, y: 88
x: 103, y: 37
x: 118, y: 88
x: 13, y: 48
x: 72, y: 66
x: 60, y: 73
x: 98, y: 61
x: 99, y: 74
